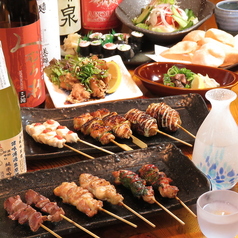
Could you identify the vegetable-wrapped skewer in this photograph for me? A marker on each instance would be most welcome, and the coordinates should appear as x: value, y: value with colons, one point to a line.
x: 138, y: 188
x: 104, y: 190
x: 160, y: 181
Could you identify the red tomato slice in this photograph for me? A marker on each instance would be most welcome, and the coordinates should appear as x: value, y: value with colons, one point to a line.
x: 169, y: 19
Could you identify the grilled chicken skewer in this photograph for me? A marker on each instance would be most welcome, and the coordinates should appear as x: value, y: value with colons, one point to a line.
x: 104, y: 190
x: 56, y: 212
x: 160, y: 181
x: 18, y: 210
x: 95, y: 127
x: 71, y: 137
x: 83, y: 200
x: 119, y: 125
x: 139, y: 189
x: 167, y: 118
x: 146, y: 125
x: 46, y: 134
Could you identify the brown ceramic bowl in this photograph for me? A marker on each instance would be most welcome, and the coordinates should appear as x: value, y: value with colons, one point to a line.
x: 151, y: 75
x: 129, y: 9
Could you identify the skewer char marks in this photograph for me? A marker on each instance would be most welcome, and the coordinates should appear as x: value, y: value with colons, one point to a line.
x: 139, y: 189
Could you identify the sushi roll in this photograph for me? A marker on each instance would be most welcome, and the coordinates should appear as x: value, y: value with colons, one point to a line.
x: 136, y: 40
x: 106, y: 38
x: 109, y: 49
x: 125, y: 51
x: 84, y: 48
x: 96, y: 47
x: 121, y: 38
x: 95, y: 36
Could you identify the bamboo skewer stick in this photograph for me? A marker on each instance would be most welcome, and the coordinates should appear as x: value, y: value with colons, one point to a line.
x: 50, y: 231
x: 186, y: 207
x: 138, y: 142
x: 137, y: 214
x: 123, y: 146
x: 79, y: 226
x: 186, y: 131
x: 78, y: 151
x: 172, y: 137
x: 168, y: 211
x: 119, y: 218
x: 97, y: 147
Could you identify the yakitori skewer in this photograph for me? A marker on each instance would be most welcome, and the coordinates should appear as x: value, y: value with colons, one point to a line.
x: 55, y: 212
x: 44, y: 134
x: 146, y: 125
x: 83, y: 200
x: 104, y: 190
x: 160, y: 181
x: 24, y: 213
x: 167, y: 118
x: 118, y: 124
x: 68, y: 135
x: 139, y: 189
x: 95, y: 127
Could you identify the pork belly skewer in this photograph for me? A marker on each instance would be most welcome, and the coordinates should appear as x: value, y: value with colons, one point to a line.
x: 104, y: 190
x: 167, y: 117
x: 146, y: 125
x: 97, y: 130
x: 139, y: 189
x: 83, y: 200
x: 56, y: 212
x: 48, y: 136
x: 160, y: 181
x: 18, y: 210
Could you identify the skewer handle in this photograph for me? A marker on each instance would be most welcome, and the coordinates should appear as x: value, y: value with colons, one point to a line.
x: 138, y: 142
x: 137, y: 214
x: 186, y: 207
x: 80, y: 227
x: 97, y: 147
x: 186, y: 131
x: 119, y: 218
x: 50, y: 231
x: 78, y: 151
x: 123, y: 146
x: 172, y: 137
x: 168, y: 211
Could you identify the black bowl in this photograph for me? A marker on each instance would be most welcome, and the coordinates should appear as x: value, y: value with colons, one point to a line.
x: 129, y: 9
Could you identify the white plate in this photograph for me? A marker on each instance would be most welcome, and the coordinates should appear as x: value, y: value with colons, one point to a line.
x: 127, y: 89
x: 158, y: 58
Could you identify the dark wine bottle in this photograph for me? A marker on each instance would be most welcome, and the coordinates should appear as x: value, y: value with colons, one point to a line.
x: 21, y: 40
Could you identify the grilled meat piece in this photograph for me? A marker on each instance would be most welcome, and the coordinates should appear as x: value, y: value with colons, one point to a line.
x: 167, y: 118
x: 100, y: 188
x: 79, y: 197
x: 142, y: 123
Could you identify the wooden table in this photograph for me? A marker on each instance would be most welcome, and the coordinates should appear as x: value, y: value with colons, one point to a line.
x: 165, y: 225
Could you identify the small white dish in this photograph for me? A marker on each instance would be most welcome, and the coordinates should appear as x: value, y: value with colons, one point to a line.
x: 127, y: 89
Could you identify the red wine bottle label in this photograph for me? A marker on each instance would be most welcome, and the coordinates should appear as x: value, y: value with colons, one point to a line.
x: 100, y: 15
x: 22, y: 50
x: 12, y: 156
